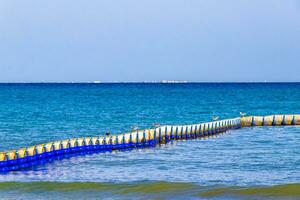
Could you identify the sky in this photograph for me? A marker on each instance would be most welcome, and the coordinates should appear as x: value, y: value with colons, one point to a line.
x: 149, y: 40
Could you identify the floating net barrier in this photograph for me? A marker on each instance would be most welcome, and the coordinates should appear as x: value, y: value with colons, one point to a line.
x: 270, y: 120
x: 42, y: 153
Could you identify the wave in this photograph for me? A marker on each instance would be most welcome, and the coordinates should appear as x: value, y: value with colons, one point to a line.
x: 145, y: 190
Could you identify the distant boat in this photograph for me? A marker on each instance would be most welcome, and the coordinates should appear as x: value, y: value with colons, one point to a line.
x: 96, y: 81
x: 172, y: 81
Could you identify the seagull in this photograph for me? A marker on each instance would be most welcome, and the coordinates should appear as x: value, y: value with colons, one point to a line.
x: 243, y: 114
x: 134, y: 128
x: 215, y: 118
x: 156, y: 125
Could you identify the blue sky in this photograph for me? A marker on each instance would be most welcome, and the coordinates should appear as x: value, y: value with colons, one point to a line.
x: 136, y: 40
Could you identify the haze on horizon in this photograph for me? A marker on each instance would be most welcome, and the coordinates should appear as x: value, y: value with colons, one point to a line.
x: 131, y: 40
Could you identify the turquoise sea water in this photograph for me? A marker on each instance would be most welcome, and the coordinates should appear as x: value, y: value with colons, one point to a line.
x: 249, y: 162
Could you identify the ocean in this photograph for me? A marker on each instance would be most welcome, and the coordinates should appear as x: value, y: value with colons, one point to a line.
x: 251, y: 163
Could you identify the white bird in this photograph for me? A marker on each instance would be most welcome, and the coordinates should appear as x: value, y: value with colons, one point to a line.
x: 156, y: 125
x: 215, y: 118
x: 134, y: 128
x: 243, y: 114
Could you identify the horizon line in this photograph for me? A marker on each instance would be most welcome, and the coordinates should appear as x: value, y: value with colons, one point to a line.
x: 132, y: 82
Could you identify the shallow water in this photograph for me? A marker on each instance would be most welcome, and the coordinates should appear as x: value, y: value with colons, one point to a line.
x: 250, y: 156
x: 223, y: 167
x: 142, y: 190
